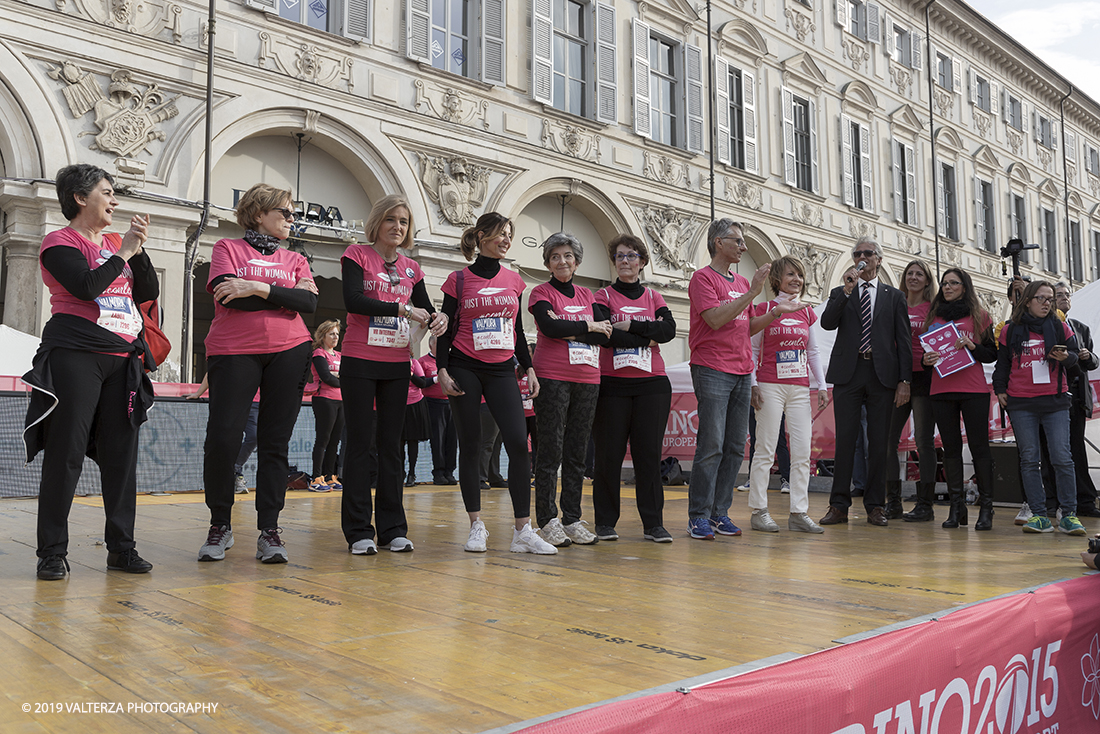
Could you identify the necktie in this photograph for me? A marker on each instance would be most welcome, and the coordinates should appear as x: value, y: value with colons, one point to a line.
x: 865, y: 317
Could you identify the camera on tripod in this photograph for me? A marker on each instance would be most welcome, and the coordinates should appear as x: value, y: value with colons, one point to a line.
x: 1013, y: 249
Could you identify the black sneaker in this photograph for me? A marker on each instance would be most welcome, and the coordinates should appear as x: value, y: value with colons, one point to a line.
x: 52, y: 568
x: 658, y: 535
x: 128, y: 561
x: 606, y: 532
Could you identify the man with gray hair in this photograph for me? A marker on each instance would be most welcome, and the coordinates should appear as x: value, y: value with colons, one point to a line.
x: 871, y: 365
x: 722, y: 321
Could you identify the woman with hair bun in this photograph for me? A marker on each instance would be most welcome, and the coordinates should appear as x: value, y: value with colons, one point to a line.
x: 475, y: 360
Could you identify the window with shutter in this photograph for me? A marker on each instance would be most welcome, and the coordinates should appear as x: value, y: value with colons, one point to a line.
x: 642, y: 115
x: 848, y: 158
x: 321, y: 15
x: 693, y: 72
x: 866, y: 180
x: 724, y: 109
x: 268, y: 6
x: 748, y: 101
x: 356, y: 20
x: 542, y: 51
x: 787, y: 102
x: 418, y: 30
x: 606, y: 74
x: 492, y: 41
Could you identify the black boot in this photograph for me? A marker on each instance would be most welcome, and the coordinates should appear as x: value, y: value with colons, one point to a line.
x: 923, y: 512
x: 894, y: 509
x: 984, y: 471
x: 410, y: 480
x: 956, y: 516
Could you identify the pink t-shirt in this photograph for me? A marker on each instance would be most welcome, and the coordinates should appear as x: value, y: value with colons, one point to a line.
x: 325, y: 390
x: 631, y: 361
x: 728, y: 349
x: 561, y: 359
x: 1034, y: 375
x: 487, y: 311
x: 969, y: 379
x: 255, y: 332
x: 113, y: 309
x: 415, y: 393
x: 381, y: 338
x: 525, y: 395
x: 427, y: 363
x: 917, y: 315
x: 784, y: 353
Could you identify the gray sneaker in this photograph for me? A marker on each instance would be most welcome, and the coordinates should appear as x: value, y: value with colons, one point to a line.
x: 270, y: 548
x: 579, y: 534
x: 401, y: 545
x: 218, y: 541
x: 364, y: 547
x: 239, y: 487
x: 554, y: 534
x: 800, y: 522
x: 762, y: 520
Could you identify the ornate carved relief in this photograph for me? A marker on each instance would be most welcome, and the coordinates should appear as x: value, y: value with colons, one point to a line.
x: 126, y: 116
x: 450, y: 104
x: 1071, y: 170
x: 1094, y: 186
x: 982, y: 122
x: 992, y: 303
x: 740, y: 5
x: 903, y: 79
x: 909, y: 243
x: 306, y: 62
x: 672, y: 233
x: 818, y: 264
x: 456, y: 192
x: 951, y: 255
x: 805, y: 213
x: 571, y: 140
x: 803, y: 24
x: 990, y: 266
x: 1015, y: 140
x: 743, y: 193
x: 855, y: 52
x: 1044, y: 156
x: 144, y: 17
x: 945, y: 101
x: 862, y: 228
x: 310, y: 123
x: 667, y: 170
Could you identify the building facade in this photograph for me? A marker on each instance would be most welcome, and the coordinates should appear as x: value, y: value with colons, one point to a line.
x: 590, y: 116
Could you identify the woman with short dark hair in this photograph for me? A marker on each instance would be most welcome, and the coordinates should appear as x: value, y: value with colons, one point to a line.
x: 257, y: 340
x: 89, y: 367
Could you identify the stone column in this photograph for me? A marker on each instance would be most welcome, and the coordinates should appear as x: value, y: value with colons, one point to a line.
x: 22, y: 287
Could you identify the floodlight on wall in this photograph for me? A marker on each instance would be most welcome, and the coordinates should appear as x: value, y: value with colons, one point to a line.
x: 299, y: 209
x: 314, y: 212
x: 333, y: 217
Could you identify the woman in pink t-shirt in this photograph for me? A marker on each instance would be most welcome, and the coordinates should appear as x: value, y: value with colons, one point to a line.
x: 919, y: 287
x: 417, y: 423
x: 786, y: 355
x: 475, y: 360
x: 328, y: 406
x: 256, y: 341
x: 1035, y: 348
x: 88, y: 377
x: 964, y: 394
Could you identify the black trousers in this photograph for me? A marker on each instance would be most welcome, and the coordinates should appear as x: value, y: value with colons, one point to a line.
x: 92, y: 399
x: 328, y: 420
x: 563, y: 412
x: 641, y: 420
x: 443, y: 437
x: 501, y: 393
x: 848, y: 400
x: 234, y: 379
x: 383, y: 425
x: 974, y: 409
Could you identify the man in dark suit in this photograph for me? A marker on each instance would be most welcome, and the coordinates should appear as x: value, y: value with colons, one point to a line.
x: 871, y: 365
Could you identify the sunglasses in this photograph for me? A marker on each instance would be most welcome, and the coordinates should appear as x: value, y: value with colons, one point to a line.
x: 864, y: 253
x: 391, y: 273
x: 951, y: 283
x: 288, y: 214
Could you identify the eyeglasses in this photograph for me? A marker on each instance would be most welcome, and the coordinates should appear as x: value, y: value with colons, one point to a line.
x: 864, y: 253
x: 391, y: 272
x: 736, y: 240
x: 288, y: 214
x: 1042, y: 299
x: 628, y: 256
x: 952, y: 283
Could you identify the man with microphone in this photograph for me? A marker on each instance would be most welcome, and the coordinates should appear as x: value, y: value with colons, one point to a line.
x: 871, y: 365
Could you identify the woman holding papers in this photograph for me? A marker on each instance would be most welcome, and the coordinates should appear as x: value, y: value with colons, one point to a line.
x: 1035, y: 350
x: 958, y: 340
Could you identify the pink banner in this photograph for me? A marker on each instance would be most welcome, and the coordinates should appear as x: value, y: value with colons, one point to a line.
x: 1024, y: 664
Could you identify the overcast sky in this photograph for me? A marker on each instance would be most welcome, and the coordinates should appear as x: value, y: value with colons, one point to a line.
x: 1063, y: 34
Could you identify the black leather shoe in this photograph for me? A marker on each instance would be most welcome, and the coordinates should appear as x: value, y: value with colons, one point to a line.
x: 52, y: 568
x: 920, y: 513
x: 450, y: 480
x: 128, y: 561
x: 439, y: 479
x: 483, y: 485
x: 410, y: 480
x: 498, y: 483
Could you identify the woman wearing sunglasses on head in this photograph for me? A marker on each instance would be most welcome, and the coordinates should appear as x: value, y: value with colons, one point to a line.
x: 256, y: 341
x: 383, y: 291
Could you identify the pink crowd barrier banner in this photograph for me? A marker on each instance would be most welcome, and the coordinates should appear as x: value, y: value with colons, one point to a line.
x: 1024, y: 664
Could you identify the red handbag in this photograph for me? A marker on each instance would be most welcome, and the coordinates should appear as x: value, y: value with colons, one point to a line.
x: 159, y: 344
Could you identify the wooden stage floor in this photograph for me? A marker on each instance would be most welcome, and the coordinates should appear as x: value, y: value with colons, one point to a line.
x: 439, y: 640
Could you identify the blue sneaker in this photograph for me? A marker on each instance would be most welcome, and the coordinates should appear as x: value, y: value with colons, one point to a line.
x: 1038, y: 524
x: 698, y: 527
x: 1070, y: 525
x: 724, y: 526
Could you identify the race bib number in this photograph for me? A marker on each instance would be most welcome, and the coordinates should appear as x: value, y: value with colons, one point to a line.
x: 587, y: 354
x: 493, y: 333
x: 388, y: 331
x: 790, y: 364
x: 1040, y: 372
x: 119, y: 314
x: 640, y: 358
x: 528, y: 404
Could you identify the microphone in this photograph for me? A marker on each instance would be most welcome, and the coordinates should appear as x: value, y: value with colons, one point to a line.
x: 861, y: 265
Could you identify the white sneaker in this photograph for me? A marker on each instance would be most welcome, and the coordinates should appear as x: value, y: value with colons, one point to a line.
x: 579, y: 534
x: 478, y: 536
x: 554, y: 534
x: 744, y: 487
x: 526, y: 541
x: 364, y: 547
x: 800, y: 522
x: 1024, y: 515
x: 401, y: 545
x: 762, y: 520
x: 785, y: 487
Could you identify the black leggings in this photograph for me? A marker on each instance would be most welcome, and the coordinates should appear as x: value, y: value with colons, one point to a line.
x: 502, y: 397
x: 92, y: 398
x: 328, y: 418
x: 974, y: 409
x: 234, y: 378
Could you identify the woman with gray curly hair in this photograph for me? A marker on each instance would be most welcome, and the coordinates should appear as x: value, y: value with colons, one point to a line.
x: 567, y: 360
